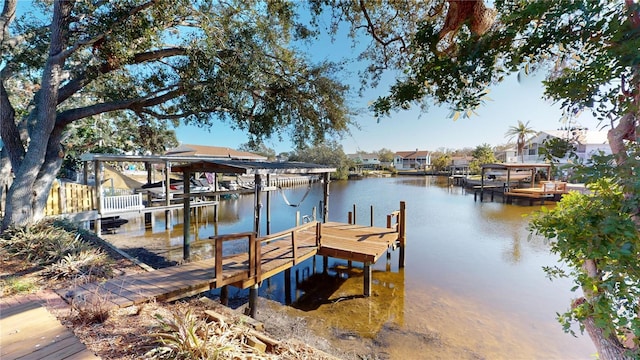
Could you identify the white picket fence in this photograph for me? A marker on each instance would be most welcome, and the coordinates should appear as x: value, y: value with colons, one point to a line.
x: 119, y: 203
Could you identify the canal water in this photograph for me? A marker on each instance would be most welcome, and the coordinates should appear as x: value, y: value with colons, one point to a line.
x: 473, y: 285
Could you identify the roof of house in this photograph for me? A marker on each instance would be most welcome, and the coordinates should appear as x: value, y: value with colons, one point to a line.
x: 213, y: 152
x: 412, y: 154
x: 584, y: 136
x: 363, y: 156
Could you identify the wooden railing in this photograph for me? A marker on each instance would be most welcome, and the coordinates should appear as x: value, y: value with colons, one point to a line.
x: 255, y: 246
x: 400, y: 227
x: 254, y: 254
x: 118, y: 203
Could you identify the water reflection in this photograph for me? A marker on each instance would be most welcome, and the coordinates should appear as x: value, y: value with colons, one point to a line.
x: 472, y: 287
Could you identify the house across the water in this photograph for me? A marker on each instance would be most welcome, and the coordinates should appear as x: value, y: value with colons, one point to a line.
x: 588, y: 143
x: 412, y: 160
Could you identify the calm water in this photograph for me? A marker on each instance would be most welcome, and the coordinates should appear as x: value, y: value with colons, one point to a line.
x: 472, y: 287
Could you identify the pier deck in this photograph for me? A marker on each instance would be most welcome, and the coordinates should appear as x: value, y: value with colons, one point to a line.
x: 267, y: 256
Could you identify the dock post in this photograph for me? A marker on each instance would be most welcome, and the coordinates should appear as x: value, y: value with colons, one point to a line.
x: 253, y: 301
x: 167, y: 198
x: 186, y: 247
x: 367, y: 279
x: 287, y: 286
x: 325, y: 198
x: 401, y: 234
x: 325, y: 264
x: 354, y: 214
x: 371, y: 215
x: 224, y: 295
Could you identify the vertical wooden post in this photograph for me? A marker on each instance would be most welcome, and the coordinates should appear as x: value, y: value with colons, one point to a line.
x: 350, y: 218
x: 186, y: 248
x: 367, y: 279
x: 325, y: 199
x: 257, y: 204
x: 371, y: 215
x: 287, y: 286
x: 269, y: 205
x: 167, y: 198
x: 297, y: 218
x: 253, y: 301
x: 325, y: 264
x: 354, y: 214
x: 224, y: 295
x: 98, y: 181
x: 401, y: 234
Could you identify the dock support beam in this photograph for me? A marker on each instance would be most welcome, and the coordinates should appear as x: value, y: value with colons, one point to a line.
x: 287, y: 286
x: 367, y: 279
x: 167, y: 193
x: 253, y: 301
x: 186, y: 230
x: 224, y: 295
x: 402, y: 237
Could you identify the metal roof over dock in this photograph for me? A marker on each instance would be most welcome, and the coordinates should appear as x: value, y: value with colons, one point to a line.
x: 253, y: 167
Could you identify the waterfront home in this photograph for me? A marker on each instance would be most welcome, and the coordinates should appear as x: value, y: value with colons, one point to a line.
x: 588, y: 143
x: 412, y: 160
x: 365, y: 161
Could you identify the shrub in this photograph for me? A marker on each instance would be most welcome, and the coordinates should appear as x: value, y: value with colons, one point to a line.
x: 56, y: 245
x: 184, y: 335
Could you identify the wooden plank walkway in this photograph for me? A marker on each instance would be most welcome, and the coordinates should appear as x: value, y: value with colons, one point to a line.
x: 29, y: 331
x: 277, y: 253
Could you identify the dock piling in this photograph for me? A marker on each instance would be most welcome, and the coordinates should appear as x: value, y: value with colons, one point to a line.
x: 367, y: 279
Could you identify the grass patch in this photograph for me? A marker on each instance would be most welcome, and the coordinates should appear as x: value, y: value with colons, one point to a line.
x: 59, y: 248
x: 13, y: 285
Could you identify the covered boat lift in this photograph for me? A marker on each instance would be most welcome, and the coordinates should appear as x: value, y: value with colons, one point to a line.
x: 509, y: 170
x: 262, y: 172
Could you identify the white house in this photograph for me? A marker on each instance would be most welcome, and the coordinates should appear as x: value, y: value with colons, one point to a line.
x: 366, y: 161
x: 588, y: 142
x: 408, y: 160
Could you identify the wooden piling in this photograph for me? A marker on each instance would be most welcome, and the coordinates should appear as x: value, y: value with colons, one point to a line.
x: 224, y: 295
x: 371, y: 215
x: 287, y: 286
x: 401, y: 234
x: 253, y: 301
x: 367, y: 279
x: 186, y: 249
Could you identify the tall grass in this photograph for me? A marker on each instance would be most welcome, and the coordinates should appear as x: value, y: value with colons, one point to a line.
x: 61, y: 252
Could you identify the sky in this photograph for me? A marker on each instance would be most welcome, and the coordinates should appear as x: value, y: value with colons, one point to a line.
x: 408, y: 130
x: 412, y: 129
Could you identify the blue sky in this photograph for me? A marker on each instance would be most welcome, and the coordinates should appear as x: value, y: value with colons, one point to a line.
x: 430, y: 130
x: 413, y: 129
x: 409, y: 129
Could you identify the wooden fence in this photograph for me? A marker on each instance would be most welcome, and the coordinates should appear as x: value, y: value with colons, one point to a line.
x: 66, y: 198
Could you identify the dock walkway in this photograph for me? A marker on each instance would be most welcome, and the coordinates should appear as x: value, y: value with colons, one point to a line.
x: 30, y: 331
x: 267, y: 256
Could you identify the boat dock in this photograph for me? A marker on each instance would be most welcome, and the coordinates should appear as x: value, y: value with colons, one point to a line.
x: 267, y: 256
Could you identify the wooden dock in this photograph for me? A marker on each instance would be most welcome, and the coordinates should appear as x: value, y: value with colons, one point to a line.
x: 266, y: 257
x: 29, y: 331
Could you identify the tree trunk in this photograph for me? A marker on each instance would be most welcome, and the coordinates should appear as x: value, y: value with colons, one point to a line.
x: 33, y: 176
x: 609, y: 347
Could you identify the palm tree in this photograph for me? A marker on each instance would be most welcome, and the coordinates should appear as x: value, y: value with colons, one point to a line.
x: 521, y: 131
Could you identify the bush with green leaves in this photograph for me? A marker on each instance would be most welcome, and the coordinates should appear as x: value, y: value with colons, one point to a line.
x: 597, y: 239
